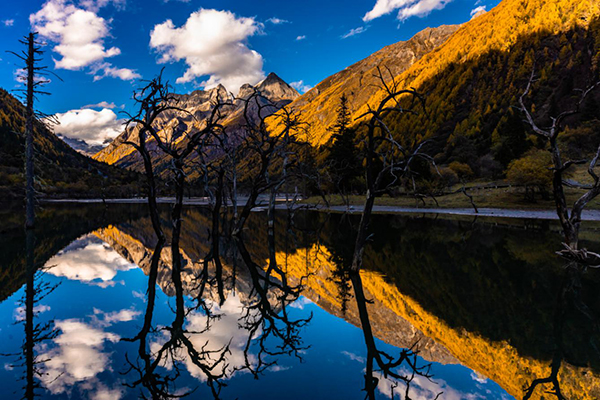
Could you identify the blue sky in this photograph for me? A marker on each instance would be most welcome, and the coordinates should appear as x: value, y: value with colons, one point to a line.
x: 101, y: 48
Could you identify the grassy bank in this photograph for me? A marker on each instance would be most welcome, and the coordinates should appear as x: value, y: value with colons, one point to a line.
x: 484, y: 196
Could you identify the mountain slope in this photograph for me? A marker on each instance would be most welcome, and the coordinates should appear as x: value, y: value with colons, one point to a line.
x: 357, y: 82
x: 473, y: 82
x: 472, y: 76
x: 59, y: 169
x: 197, y: 105
x: 497, y: 30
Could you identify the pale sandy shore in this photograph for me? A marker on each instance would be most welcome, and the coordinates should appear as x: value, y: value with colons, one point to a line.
x: 588, y: 215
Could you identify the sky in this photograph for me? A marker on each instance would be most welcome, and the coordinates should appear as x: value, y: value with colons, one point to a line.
x: 101, y: 49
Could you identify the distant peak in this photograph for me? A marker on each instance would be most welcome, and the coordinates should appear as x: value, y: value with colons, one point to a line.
x: 272, y: 75
x: 276, y: 88
x: 219, y: 88
x: 272, y: 78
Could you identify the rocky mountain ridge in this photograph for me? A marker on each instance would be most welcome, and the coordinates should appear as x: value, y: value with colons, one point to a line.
x: 196, y: 106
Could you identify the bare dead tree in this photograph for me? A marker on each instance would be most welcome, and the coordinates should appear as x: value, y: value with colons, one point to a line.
x: 153, y: 100
x: 570, y: 220
x: 270, y: 134
x: 381, y: 147
x: 267, y: 148
x: 217, y: 162
x: 387, y: 162
x: 33, y: 79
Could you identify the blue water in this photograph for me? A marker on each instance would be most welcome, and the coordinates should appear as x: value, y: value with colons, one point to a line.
x: 99, y: 299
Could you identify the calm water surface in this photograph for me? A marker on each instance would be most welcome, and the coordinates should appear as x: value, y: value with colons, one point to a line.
x: 476, y: 298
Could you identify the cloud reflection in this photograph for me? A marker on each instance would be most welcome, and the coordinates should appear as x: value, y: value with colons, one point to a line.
x: 89, y: 260
x: 78, y: 356
x: 422, y: 388
x: 223, y: 331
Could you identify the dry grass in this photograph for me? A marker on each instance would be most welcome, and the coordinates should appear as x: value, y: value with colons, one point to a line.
x: 507, y: 198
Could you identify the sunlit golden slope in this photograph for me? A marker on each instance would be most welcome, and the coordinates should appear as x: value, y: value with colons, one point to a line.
x: 358, y: 82
x: 497, y: 29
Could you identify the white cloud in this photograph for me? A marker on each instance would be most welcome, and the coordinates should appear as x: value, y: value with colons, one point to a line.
x: 406, y: 8
x: 301, y: 302
x: 93, y: 127
x: 102, y: 104
x: 8, y: 22
x: 20, y: 311
x: 95, y: 5
x: 354, y: 31
x: 212, y: 43
x: 104, y: 393
x: 476, y: 376
x: 278, y: 368
x: 422, y: 388
x: 278, y: 21
x: 139, y: 295
x: 354, y: 357
x: 477, y: 10
x: 300, y: 86
x: 125, y: 74
x: 301, y: 37
x: 88, y: 260
x: 79, y: 34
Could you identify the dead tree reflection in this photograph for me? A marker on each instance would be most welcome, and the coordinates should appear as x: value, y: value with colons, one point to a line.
x: 569, y: 304
x: 36, y: 333
x: 271, y: 291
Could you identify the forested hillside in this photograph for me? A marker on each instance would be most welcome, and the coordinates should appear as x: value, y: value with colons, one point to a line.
x: 472, y: 106
x: 472, y: 81
x: 59, y: 169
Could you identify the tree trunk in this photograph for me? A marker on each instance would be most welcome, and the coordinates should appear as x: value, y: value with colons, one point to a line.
x: 29, y: 190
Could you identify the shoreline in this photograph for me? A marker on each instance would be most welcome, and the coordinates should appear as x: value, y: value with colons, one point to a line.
x: 541, y: 214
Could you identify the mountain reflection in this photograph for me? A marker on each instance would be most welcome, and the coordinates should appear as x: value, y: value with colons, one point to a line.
x: 199, y: 331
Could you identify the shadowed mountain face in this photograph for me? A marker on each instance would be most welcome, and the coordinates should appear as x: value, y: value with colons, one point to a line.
x: 174, y: 125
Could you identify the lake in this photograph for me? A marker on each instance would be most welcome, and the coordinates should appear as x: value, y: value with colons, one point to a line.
x: 455, y: 307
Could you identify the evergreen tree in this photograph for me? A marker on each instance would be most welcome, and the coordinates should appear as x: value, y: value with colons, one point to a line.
x: 343, y: 160
x: 590, y: 110
x: 513, y: 139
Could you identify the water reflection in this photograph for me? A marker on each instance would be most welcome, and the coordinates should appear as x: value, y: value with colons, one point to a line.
x: 454, y: 293
x: 569, y: 305
x: 89, y: 260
